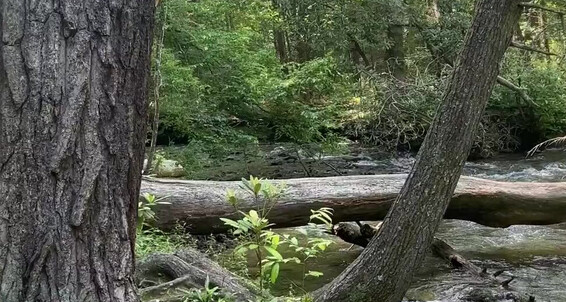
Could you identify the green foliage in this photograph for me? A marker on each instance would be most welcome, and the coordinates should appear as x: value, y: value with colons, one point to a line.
x: 392, y: 117
x: 257, y: 238
x: 229, y: 83
x: 148, y: 239
x: 308, y: 102
x: 145, y: 209
x: 152, y: 241
x: 223, y: 84
x: 254, y: 228
x: 205, y: 294
x: 543, y: 81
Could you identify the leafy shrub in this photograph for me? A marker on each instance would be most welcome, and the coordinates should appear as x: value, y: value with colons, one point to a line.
x: 256, y: 236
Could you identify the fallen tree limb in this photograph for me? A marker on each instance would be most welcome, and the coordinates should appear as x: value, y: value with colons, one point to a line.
x: 541, y: 7
x: 520, y: 91
x: 437, y: 54
x: 190, y: 268
x: 533, y: 49
x: 164, y: 287
x: 199, y: 205
x: 360, y: 234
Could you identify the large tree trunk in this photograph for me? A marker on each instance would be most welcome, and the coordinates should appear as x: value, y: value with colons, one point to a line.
x: 199, y: 205
x: 73, y: 97
x: 384, y: 270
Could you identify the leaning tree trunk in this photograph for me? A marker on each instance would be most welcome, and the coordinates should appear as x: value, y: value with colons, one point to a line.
x: 384, y: 270
x: 73, y: 97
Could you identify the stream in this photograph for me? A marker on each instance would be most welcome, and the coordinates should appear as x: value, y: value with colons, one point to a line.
x: 534, y: 255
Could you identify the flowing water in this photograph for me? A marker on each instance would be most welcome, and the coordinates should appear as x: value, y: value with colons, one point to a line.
x: 534, y: 255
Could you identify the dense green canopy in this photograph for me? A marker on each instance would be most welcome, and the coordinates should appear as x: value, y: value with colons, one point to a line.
x: 312, y: 71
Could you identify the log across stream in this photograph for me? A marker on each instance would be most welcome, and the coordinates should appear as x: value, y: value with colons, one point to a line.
x: 199, y: 205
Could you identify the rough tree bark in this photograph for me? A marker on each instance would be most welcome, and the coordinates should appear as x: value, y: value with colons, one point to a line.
x: 73, y: 97
x: 384, y: 270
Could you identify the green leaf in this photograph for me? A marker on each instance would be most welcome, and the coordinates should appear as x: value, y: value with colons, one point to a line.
x: 274, y: 253
x: 274, y: 273
x: 294, y: 241
x: 314, y: 274
x: 230, y: 222
x: 241, y: 250
x: 325, y: 216
x: 257, y: 188
x: 254, y: 216
x: 275, y: 241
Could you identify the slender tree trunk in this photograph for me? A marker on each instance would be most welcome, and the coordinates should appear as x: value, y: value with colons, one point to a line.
x: 544, y: 28
x: 358, y: 53
x: 396, y: 53
x: 279, y: 35
x: 158, y: 83
x: 280, y: 45
x: 73, y: 98
x: 383, y: 272
x: 433, y: 20
x: 433, y: 11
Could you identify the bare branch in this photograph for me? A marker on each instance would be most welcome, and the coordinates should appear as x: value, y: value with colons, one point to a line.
x: 537, y: 6
x: 520, y: 91
x: 435, y: 52
x: 529, y: 48
x: 556, y: 142
x: 167, y: 285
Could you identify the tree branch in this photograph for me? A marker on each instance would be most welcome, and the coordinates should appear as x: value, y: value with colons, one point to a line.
x: 529, y: 48
x: 500, y: 80
x: 359, y: 50
x: 537, y: 6
x: 520, y: 91
x: 167, y: 285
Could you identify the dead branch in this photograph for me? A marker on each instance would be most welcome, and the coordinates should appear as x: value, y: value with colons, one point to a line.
x: 167, y: 285
x: 537, y: 6
x: 360, y: 234
x: 520, y: 91
x: 533, y: 49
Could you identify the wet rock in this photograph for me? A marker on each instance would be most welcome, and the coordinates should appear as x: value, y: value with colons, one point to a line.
x: 487, y: 295
x: 169, y: 168
x: 480, y: 295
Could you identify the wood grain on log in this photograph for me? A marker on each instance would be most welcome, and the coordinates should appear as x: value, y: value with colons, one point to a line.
x: 191, y: 268
x: 199, y: 205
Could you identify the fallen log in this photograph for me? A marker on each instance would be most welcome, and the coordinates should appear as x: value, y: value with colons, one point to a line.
x: 190, y: 268
x: 199, y: 205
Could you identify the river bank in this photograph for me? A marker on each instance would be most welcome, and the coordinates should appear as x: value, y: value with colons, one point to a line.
x: 281, y: 161
x: 534, y: 255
